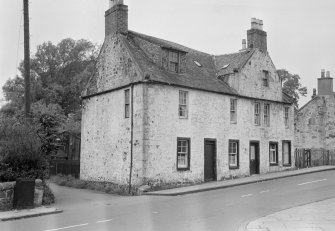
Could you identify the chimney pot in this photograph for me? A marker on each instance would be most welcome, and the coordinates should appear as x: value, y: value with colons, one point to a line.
x: 115, y: 2
x: 254, y: 23
x: 261, y: 24
x: 328, y: 74
x: 244, y: 44
x: 322, y: 73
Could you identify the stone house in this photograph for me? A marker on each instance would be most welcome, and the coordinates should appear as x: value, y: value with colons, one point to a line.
x: 159, y: 112
x: 315, y: 122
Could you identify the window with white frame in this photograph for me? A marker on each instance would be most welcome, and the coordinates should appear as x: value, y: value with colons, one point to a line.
x: 257, y: 113
x: 233, y: 154
x: 267, y: 114
x: 183, y: 154
x: 286, y: 153
x: 286, y: 116
x: 273, y: 153
x: 233, y: 110
x: 174, y: 61
x: 126, y: 103
x: 183, y: 101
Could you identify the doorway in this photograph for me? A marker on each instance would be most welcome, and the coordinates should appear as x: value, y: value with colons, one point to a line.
x: 210, y: 160
x: 254, y: 157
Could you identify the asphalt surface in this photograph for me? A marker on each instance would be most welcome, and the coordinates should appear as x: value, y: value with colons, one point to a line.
x: 222, y: 209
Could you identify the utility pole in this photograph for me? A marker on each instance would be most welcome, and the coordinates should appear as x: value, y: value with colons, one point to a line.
x: 26, y: 56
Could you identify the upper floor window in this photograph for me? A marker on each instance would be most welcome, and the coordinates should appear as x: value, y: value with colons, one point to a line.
x: 174, y: 61
x: 233, y: 110
x: 126, y: 103
x: 183, y: 101
x: 257, y: 113
x: 286, y: 116
x: 267, y: 114
x: 265, y: 78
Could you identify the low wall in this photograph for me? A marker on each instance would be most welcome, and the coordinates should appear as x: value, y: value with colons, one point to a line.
x: 7, y: 194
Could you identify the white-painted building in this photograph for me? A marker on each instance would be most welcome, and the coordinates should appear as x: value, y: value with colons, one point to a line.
x: 157, y: 112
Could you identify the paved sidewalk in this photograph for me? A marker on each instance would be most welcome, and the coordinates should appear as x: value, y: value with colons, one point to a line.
x: 318, y: 216
x: 241, y: 181
x: 26, y: 213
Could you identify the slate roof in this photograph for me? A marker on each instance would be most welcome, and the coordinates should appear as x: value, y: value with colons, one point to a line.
x: 226, y: 64
x: 202, y: 78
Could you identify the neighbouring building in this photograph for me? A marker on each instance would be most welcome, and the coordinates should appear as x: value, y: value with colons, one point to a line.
x: 315, y: 122
x: 159, y: 112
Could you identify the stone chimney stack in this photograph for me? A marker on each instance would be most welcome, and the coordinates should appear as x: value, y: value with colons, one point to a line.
x: 257, y: 38
x: 116, y: 18
x: 325, y: 83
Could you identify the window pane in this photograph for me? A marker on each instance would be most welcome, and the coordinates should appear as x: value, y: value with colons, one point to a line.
x: 182, y: 153
x: 127, y: 111
x: 286, y: 153
x: 232, y: 160
x: 183, y: 104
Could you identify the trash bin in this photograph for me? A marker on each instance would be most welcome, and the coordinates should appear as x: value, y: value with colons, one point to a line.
x: 24, y: 193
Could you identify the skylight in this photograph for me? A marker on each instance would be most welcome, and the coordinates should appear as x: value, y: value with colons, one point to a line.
x: 225, y: 66
x: 197, y: 63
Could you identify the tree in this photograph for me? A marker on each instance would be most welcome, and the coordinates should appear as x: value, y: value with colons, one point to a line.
x: 292, y: 86
x: 59, y: 74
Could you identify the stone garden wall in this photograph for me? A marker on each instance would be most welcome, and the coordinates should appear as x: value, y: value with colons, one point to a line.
x: 7, y: 194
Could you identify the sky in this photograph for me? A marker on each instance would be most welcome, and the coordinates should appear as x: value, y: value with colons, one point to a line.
x: 301, y: 33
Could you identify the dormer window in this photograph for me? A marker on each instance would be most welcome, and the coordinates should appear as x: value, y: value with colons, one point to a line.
x: 174, y: 61
x: 265, y: 78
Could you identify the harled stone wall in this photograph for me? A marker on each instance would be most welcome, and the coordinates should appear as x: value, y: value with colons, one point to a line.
x: 315, y: 124
x: 209, y: 117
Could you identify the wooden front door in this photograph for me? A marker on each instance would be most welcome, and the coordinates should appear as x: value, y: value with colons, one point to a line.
x: 254, y: 158
x: 210, y: 160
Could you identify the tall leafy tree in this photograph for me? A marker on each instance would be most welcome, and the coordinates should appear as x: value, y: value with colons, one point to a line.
x: 292, y: 86
x: 59, y: 73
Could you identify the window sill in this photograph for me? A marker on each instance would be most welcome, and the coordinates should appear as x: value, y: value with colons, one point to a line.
x: 287, y: 165
x: 183, y: 169
x: 183, y: 117
x: 233, y: 122
x: 233, y: 167
x: 273, y: 164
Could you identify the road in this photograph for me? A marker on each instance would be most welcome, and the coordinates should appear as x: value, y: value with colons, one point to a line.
x: 223, y: 209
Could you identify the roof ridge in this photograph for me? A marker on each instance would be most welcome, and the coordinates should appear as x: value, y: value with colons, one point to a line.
x: 144, y: 36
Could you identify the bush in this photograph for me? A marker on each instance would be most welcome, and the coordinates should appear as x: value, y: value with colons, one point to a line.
x: 20, y: 151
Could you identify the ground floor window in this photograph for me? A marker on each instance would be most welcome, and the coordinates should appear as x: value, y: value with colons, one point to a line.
x: 273, y: 153
x: 183, y: 153
x: 287, y: 153
x: 233, y: 154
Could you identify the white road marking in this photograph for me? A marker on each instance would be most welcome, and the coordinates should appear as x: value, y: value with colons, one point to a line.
x: 103, y: 221
x: 155, y: 212
x: 247, y: 195
x: 311, y: 182
x: 68, y: 227
x: 265, y: 191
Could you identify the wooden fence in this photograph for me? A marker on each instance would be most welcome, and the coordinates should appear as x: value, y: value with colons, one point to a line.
x: 305, y: 158
x: 65, y: 167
